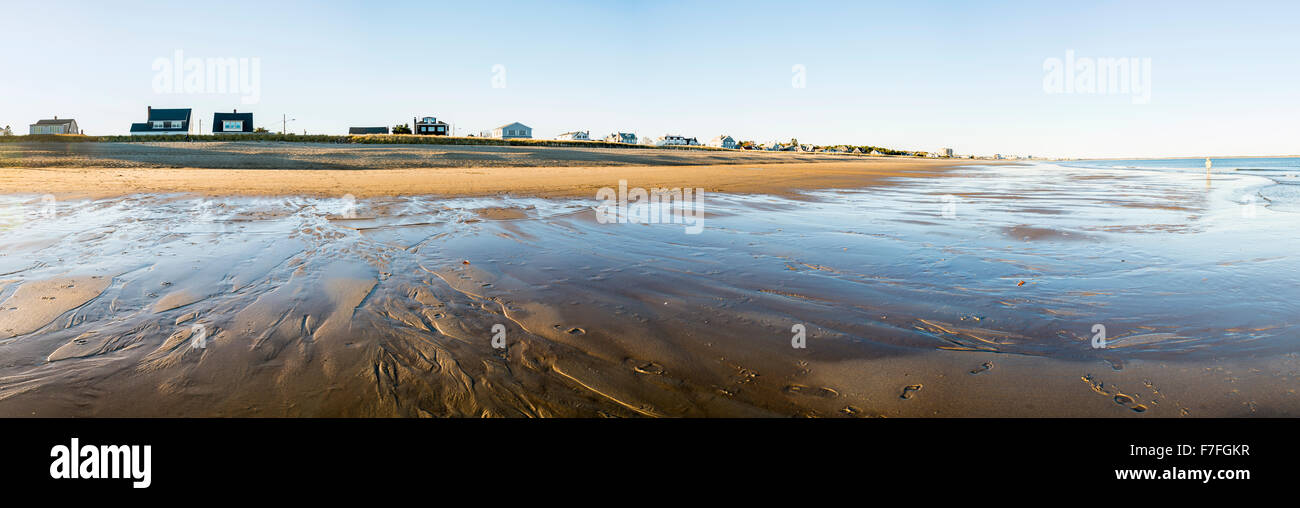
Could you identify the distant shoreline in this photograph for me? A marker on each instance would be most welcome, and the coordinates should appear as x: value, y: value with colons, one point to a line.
x: 1189, y: 158
x: 272, y: 169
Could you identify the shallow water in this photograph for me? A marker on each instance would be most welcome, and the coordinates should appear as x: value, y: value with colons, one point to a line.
x: 177, y: 305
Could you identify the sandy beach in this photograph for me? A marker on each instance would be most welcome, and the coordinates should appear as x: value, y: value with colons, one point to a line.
x: 267, y: 169
x: 922, y: 288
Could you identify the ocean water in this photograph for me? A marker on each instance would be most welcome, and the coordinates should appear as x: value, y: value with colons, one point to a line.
x: 1284, y: 172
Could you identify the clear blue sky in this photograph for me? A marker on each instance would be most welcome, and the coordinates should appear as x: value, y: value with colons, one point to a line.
x: 912, y: 75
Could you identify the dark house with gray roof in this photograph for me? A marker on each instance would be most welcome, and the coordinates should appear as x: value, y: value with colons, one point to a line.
x: 55, y: 126
x: 430, y: 126
x: 163, y: 121
x: 232, y: 123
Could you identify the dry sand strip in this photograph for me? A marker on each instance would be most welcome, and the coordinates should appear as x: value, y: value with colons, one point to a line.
x: 569, y: 181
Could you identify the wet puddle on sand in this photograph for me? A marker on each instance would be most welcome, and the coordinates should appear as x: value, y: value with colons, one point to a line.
x: 154, y: 305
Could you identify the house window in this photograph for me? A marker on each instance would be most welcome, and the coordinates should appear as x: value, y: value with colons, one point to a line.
x: 160, y: 125
x: 232, y: 125
x: 175, y: 124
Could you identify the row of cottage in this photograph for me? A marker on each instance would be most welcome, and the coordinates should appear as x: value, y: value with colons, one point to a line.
x: 160, y: 121
x: 177, y: 121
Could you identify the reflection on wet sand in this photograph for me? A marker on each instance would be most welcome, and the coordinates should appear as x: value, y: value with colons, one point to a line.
x: 169, y: 305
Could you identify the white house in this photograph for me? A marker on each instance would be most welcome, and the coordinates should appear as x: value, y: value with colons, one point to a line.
x: 510, y: 131
x: 55, y: 126
x: 723, y: 141
x: 621, y: 137
x: 575, y: 136
x: 675, y: 140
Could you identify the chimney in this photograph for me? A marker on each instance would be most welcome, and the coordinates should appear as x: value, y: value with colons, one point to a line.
x: 236, y: 111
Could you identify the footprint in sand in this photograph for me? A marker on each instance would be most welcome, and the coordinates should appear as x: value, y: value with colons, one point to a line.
x: 644, y: 366
x: 984, y: 367
x: 1115, y: 395
x: 907, y: 391
x: 572, y: 331
x: 822, y: 391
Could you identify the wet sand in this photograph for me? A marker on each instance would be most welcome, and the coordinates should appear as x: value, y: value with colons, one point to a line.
x: 966, y: 292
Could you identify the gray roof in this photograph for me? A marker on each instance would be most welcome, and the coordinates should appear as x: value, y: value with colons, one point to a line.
x: 63, y: 121
x: 156, y: 114
x: 513, y: 124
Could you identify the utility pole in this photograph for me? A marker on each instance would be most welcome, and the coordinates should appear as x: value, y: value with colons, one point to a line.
x: 284, y: 123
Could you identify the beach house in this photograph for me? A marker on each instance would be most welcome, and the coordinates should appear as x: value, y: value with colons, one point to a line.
x: 55, y: 126
x: 621, y: 137
x: 675, y: 140
x: 723, y: 141
x: 430, y: 126
x: 163, y: 121
x: 362, y: 131
x: 232, y: 123
x: 575, y: 136
x: 510, y: 131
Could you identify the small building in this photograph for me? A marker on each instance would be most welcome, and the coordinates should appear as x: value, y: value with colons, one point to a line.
x: 575, y: 136
x: 55, y: 126
x: 947, y: 152
x: 621, y: 137
x: 362, y: 131
x: 675, y: 140
x: 430, y: 126
x: 875, y: 152
x: 510, y: 131
x: 723, y: 141
x: 232, y: 123
x: 163, y: 121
